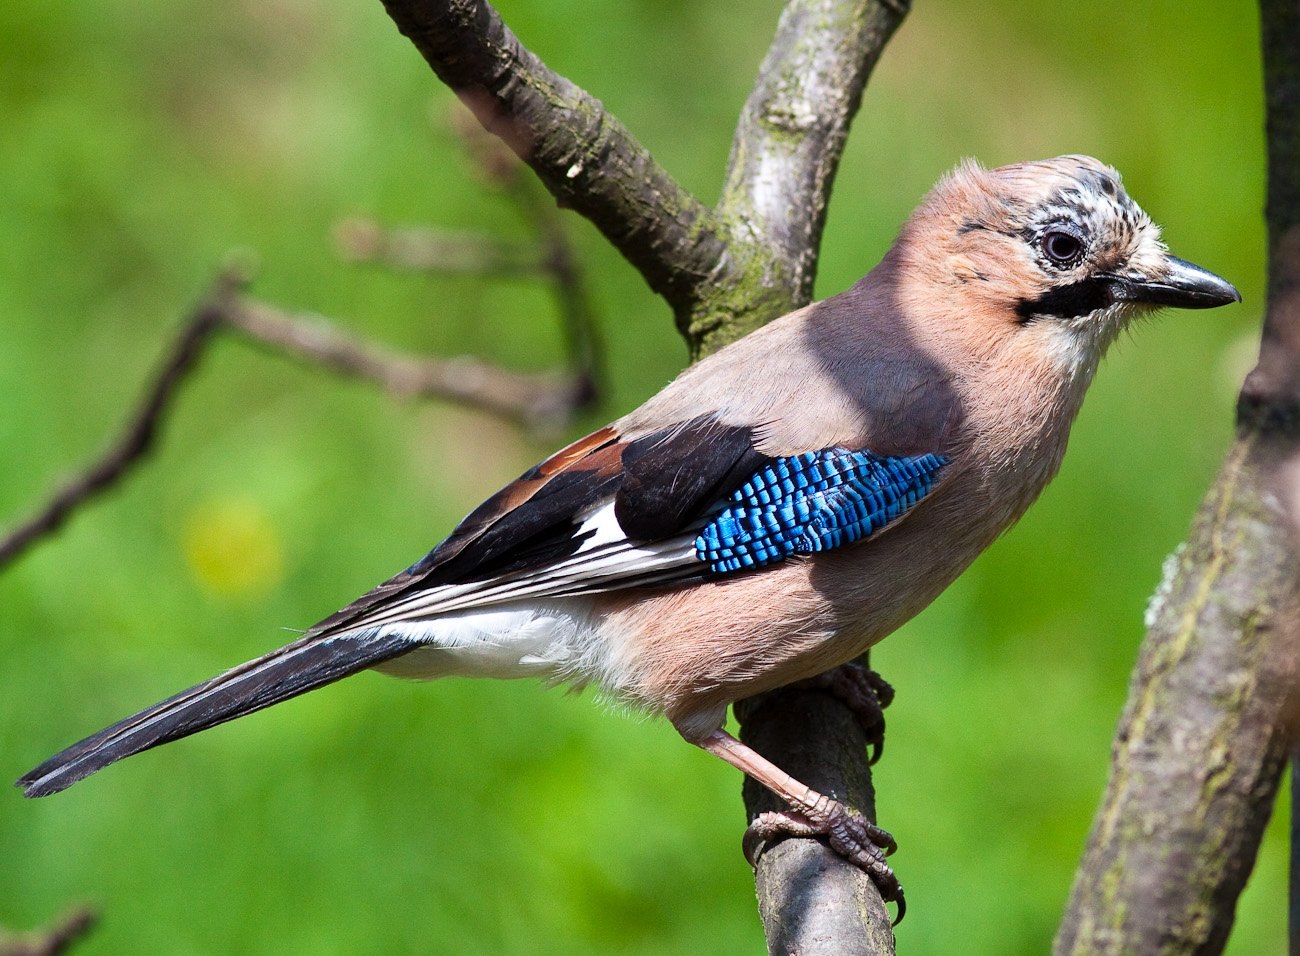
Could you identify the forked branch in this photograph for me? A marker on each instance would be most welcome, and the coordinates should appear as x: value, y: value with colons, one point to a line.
x: 537, y: 401
x: 542, y: 402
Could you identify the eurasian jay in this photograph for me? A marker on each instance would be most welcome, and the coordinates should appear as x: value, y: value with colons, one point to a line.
x: 779, y: 507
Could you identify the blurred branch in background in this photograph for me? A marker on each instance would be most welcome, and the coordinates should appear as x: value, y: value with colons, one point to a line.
x: 141, y: 429
x: 1200, y: 749
x: 550, y: 256
x: 540, y: 402
x: 59, y: 938
x: 543, y: 402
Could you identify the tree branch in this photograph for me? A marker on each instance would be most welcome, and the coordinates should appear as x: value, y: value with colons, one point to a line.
x: 429, y: 249
x: 585, y: 157
x: 1199, y: 752
x: 558, y: 259
x: 723, y: 278
x: 533, y: 400
x: 785, y: 151
x: 59, y: 938
x: 550, y: 256
x: 538, y: 401
x: 141, y: 431
x: 811, y: 901
x: 792, y: 131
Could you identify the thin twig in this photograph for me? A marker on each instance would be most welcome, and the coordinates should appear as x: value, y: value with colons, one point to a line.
x: 551, y: 256
x: 69, y: 930
x: 541, y: 402
x: 141, y: 431
x: 559, y: 260
x: 538, y: 401
x: 443, y: 251
x: 586, y: 158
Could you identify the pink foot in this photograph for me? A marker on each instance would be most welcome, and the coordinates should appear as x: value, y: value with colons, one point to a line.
x: 862, y: 843
x: 811, y: 814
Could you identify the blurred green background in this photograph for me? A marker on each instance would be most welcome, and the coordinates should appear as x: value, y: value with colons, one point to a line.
x: 140, y: 143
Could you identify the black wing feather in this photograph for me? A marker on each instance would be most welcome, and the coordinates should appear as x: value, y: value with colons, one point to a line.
x: 672, y: 477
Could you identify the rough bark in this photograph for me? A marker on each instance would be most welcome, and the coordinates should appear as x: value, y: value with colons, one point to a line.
x: 581, y: 152
x: 1198, y: 756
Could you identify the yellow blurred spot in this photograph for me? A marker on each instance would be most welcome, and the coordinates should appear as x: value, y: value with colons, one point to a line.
x: 233, y: 548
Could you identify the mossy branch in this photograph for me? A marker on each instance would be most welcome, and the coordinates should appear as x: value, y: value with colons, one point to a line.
x: 1197, y: 758
x: 1199, y: 752
x: 784, y: 156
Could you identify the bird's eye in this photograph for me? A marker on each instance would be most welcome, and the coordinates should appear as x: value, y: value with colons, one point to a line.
x: 1062, y: 248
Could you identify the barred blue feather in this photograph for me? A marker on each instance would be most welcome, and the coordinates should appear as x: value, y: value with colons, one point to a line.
x: 813, y: 502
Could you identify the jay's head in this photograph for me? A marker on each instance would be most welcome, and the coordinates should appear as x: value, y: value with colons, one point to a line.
x: 1053, y: 252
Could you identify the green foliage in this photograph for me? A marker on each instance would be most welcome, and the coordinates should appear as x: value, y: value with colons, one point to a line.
x: 141, y: 143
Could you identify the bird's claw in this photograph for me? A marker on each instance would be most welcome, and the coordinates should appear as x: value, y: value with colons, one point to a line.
x: 849, y: 834
x: 865, y: 693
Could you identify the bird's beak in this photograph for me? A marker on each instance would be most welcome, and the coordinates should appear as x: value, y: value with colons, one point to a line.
x: 1179, y: 284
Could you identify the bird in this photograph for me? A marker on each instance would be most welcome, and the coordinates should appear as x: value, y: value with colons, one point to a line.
x: 780, y: 506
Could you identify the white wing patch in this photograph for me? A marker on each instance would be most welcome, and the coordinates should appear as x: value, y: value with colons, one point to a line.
x: 531, y: 640
x: 511, y: 626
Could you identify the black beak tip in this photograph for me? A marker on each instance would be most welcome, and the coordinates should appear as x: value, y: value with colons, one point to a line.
x: 1188, y: 286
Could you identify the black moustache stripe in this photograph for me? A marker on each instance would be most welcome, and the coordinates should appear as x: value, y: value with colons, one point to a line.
x: 1067, y: 301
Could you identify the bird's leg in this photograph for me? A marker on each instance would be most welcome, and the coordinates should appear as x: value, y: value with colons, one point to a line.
x: 811, y: 814
x: 862, y: 691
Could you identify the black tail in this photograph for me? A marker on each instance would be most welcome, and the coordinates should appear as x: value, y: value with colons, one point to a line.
x: 292, y: 670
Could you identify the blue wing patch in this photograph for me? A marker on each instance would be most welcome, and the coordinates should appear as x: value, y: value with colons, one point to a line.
x: 813, y: 502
